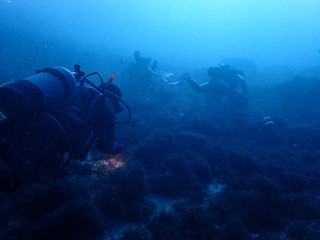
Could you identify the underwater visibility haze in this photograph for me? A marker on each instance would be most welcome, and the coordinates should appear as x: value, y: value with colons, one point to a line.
x: 223, y: 141
x: 189, y: 32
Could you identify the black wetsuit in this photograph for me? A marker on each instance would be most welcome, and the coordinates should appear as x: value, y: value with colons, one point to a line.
x: 39, y: 141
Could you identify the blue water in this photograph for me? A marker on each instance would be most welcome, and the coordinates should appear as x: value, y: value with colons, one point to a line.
x: 195, y: 166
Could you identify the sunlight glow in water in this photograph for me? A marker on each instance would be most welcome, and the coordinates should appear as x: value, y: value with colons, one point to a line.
x: 196, y: 33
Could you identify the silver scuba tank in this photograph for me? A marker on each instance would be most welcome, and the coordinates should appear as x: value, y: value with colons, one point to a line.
x: 48, y: 88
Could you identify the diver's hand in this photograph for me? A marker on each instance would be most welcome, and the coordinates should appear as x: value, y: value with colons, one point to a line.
x: 117, y: 148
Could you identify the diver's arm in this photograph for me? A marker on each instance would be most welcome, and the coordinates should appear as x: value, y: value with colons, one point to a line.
x: 199, y: 88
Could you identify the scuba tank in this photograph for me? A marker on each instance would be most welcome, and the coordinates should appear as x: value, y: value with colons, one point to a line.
x: 48, y: 88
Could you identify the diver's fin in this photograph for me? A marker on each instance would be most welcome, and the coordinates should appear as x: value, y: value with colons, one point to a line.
x: 164, y: 73
x: 157, y: 74
x: 180, y: 79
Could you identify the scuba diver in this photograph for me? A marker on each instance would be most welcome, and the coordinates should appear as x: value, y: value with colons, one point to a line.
x: 224, y: 81
x: 141, y: 69
x: 48, y: 121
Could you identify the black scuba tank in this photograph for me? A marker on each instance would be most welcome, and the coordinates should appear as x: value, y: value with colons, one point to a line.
x: 48, y: 88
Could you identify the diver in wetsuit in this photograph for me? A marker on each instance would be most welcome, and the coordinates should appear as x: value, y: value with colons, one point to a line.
x: 224, y: 81
x: 221, y: 73
x: 49, y: 121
